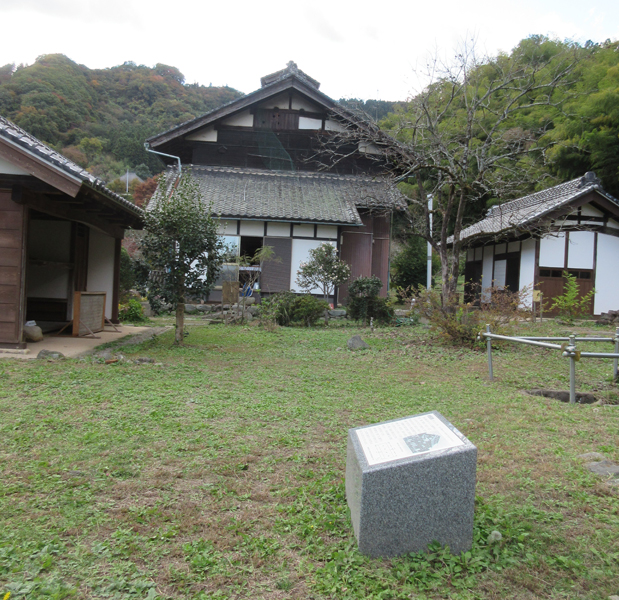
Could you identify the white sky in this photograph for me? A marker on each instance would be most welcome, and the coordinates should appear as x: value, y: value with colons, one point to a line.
x: 355, y: 49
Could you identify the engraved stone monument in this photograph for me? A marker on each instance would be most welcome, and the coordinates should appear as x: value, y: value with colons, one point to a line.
x: 410, y: 482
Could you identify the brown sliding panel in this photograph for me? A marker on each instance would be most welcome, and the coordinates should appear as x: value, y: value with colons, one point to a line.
x: 275, y: 275
x: 12, y: 239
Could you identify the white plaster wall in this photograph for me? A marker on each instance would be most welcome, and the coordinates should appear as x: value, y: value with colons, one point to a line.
x: 580, y: 250
x: 302, y: 103
x: 333, y: 126
x: 279, y: 101
x: 479, y: 253
x: 590, y: 211
x: 527, y: 269
x: 486, y: 272
x: 208, y: 134
x: 606, y: 274
x: 300, y: 253
x: 500, y: 249
x: 242, y: 119
x: 226, y: 227
x: 327, y: 231
x: 513, y: 246
x: 612, y: 224
x: 10, y: 168
x: 278, y: 229
x: 49, y: 241
x: 253, y: 228
x: 500, y: 271
x: 307, y: 123
x: 470, y: 255
x: 367, y: 148
x: 303, y: 230
x: 552, y: 251
x: 101, y: 267
x: 47, y: 282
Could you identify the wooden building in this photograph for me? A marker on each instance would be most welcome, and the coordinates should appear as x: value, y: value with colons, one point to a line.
x: 259, y: 166
x: 60, y: 232
x: 530, y: 242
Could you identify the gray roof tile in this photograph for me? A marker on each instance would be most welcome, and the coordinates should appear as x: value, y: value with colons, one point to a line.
x: 522, y: 213
x: 291, y: 196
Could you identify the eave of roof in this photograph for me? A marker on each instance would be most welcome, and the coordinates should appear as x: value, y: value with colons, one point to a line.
x: 522, y: 213
x: 308, y: 197
x: 290, y: 81
x: 17, y: 137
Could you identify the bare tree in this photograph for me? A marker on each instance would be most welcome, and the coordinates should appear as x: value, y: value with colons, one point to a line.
x: 471, y: 135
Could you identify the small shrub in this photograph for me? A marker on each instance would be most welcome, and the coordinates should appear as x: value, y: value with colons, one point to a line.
x: 460, y: 324
x: 287, y: 308
x: 364, y: 302
x: 131, y: 312
x: 307, y: 310
x: 569, y: 305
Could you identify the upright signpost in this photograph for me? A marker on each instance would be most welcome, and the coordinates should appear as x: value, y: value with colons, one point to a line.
x: 411, y: 482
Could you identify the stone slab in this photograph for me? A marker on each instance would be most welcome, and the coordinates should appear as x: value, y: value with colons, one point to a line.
x: 410, y: 482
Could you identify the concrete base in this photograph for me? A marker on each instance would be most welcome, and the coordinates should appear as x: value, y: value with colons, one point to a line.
x: 72, y: 346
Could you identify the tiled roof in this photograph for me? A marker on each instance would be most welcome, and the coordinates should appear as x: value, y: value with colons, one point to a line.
x: 291, y: 196
x: 522, y: 213
x: 291, y: 69
x: 19, y: 137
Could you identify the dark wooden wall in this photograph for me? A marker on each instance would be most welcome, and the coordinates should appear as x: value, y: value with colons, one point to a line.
x: 275, y: 275
x: 12, y: 235
x: 366, y: 250
x: 284, y: 150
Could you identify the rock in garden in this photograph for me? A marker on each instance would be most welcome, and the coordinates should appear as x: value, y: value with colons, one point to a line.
x: 356, y: 343
x: 337, y: 313
x: 50, y: 354
x: 191, y: 309
x: 203, y: 308
x: 33, y: 333
x: 142, y: 360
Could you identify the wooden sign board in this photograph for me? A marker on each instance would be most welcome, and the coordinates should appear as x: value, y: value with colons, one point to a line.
x: 88, y: 313
x: 537, y: 295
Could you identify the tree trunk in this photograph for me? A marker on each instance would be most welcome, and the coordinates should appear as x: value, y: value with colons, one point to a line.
x: 180, y: 323
x: 449, y: 277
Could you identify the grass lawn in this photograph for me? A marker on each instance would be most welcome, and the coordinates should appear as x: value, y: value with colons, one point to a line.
x: 219, y: 473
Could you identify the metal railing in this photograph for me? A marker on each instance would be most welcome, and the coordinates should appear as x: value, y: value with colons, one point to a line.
x: 568, y: 350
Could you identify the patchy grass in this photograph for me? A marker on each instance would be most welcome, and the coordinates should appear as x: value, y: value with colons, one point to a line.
x: 219, y: 473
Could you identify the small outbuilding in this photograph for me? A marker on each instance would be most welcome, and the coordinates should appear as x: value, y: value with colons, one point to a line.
x: 532, y: 241
x: 60, y: 233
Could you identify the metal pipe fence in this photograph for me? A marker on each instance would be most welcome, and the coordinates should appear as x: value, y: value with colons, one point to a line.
x: 568, y: 350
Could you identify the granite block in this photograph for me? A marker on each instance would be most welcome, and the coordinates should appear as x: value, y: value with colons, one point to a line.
x: 410, y: 482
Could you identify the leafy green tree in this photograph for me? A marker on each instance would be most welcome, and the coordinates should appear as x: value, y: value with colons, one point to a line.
x: 470, y: 135
x: 181, y: 248
x: 324, y: 270
x: 409, y: 267
x: 364, y: 302
x: 586, y: 137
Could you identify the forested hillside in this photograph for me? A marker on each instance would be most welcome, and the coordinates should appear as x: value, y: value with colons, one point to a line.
x: 576, y: 130
x: 100, y: 117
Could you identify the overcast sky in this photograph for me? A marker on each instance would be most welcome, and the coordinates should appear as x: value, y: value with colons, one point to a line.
x: 355, y: 49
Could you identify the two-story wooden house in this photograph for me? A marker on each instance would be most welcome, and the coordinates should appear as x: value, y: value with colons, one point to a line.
x: 259, y: 165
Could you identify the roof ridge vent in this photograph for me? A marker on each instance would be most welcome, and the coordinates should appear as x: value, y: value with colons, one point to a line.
x: 589, y: 178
